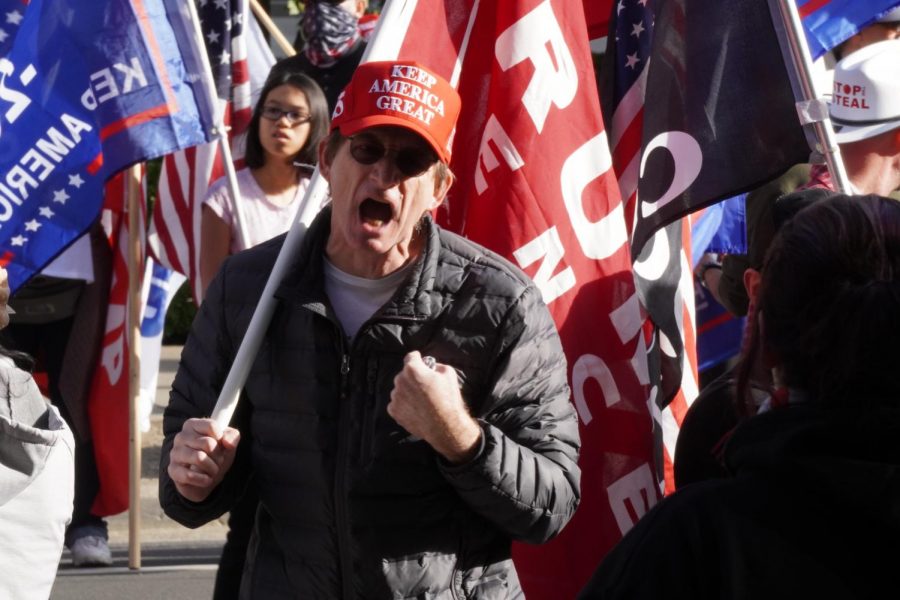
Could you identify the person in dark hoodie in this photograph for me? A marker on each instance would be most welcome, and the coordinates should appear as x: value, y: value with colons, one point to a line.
x: 810, y: 508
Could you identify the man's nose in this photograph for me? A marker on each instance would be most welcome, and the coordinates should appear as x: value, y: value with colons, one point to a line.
x: 385, y: 170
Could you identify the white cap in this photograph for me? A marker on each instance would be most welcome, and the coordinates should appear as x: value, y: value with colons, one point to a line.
x: 891, y: 16
x: 866, y: 99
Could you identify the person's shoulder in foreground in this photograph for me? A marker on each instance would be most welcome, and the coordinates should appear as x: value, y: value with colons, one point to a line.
x: 810, y: 507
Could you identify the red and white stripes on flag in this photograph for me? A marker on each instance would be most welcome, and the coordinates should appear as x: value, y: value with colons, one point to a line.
x: 663, y: 273
x: 240, y: 60
x: 535, y: 183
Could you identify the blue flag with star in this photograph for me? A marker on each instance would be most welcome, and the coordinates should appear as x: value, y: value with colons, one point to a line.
x: 828, y: 23
x: 87, y: 88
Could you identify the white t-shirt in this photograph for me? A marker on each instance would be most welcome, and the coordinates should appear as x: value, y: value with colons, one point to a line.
x: 355, y: 299
x: 263, y: 219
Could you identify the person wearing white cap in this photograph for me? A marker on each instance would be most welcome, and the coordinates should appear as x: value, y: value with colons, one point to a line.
x: 885, y: 27
x: 865, y: 113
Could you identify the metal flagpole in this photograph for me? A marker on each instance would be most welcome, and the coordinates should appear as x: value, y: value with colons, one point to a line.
x: 384, y: 45
x: 811, y: 109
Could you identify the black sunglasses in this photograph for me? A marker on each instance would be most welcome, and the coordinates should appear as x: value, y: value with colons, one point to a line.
x: 294, y: 117
x: 411, y: 161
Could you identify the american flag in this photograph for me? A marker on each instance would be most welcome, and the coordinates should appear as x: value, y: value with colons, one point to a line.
x: 222, y: 23
x: 238, y: 56
x: 663, y: 276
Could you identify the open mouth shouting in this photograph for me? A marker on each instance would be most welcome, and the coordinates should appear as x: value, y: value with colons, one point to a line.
x: 375, y: 213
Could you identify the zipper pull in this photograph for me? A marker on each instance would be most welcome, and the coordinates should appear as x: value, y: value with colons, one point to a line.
x: 345, y: 364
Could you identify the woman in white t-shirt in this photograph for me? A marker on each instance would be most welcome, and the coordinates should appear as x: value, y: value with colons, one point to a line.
x: 282, y: 138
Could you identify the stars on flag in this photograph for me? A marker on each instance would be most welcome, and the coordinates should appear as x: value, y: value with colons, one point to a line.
x: 46, y: 213
x: 14, y: 17
x: 12, y: 21
x: 637, y: 29
x: 222, y: 24
x: 634, y: 28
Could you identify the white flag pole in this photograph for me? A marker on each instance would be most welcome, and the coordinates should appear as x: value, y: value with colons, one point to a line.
x: 811, y: 109
x: 384, y: 45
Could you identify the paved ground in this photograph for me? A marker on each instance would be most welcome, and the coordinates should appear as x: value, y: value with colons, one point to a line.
x: 176, y: 562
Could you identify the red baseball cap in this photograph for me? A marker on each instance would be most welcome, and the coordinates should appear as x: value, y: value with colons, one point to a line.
x: 401, y: 93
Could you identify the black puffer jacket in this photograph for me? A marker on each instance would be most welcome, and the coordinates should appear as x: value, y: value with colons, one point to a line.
x: 351, y: 505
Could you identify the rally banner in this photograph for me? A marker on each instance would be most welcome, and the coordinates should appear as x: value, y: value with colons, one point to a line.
x: 534, y: 183
x: 109, y: 393
x: 86, y: 89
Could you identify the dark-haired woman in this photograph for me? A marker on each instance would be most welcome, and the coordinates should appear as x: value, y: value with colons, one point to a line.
x: 287, y: 124
x: 810, y: 509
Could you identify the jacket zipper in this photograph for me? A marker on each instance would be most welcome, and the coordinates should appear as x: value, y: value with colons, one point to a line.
x: 340, y: 482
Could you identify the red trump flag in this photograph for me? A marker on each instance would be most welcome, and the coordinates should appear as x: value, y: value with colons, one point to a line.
x: 535, y: 183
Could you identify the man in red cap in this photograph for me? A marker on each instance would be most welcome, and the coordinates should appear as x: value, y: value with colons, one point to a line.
x: 407, y: 415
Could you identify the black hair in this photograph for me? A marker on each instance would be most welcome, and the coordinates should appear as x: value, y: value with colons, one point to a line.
x: 828, y: 311
x: 280, y: 75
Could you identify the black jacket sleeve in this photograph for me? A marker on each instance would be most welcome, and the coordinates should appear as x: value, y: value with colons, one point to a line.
x: 205, y: 362
x: 526, y: 478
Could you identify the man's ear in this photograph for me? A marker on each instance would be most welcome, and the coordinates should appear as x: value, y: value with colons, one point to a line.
x: 441, y: 187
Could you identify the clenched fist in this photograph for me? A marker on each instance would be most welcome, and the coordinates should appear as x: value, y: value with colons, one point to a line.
x: 427, y: 403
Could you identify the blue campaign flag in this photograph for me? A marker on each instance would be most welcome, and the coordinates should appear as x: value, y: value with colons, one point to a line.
x: 829, y: 22
x: 719, y: 333
x: 87, y: 88
x: 721, y: 229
